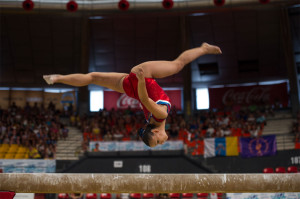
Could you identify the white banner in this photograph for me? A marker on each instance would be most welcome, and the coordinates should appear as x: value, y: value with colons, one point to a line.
x: 24, y: 196
x: 135, y: 146
x: 209, y: 147
x: 27, y: 166
x: 263, y: 195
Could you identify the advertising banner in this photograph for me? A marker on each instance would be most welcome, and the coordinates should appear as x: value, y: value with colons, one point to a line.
x: 61, y: 100
x: 117, y: 100
x: 263, y: 195
x: 135, y: 146
x: 256, y: 147
x: 246, y: 95
x: 27, y: 166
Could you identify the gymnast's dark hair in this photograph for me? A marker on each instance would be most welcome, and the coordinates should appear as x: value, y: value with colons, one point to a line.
x: 146, y: 133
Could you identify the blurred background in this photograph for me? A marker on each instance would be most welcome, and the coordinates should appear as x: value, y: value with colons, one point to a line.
x: 232, y: 113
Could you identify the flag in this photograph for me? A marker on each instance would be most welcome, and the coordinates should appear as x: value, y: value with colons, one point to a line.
x: 227, y: 146
x: 255, y: 147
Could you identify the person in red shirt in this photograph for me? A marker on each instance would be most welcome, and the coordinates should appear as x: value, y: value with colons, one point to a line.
x: 141, y: 85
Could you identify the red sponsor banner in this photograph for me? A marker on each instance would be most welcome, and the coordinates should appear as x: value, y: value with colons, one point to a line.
x: 246, y: 95
x: 117, y: 100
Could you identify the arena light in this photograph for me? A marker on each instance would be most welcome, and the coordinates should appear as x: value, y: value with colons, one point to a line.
x: 219, y: 2
x: 72, y: 6
x: 123, y: 5
x: 167, y: 4
x: 28, y: 5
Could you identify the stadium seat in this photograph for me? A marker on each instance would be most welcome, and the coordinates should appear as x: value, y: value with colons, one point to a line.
x: 20, y: 156
x: 105, y: 195
x: 187, y: 195
x: 22, y: 149
x: 220, y: 195
x: 292, y: 169
x: 268, y: 170
x: 9, y: 156
x: 13, y: 148
x: 91, y: 196
x: 63, y: 196
x: 4, y: 148
x: 135, y: 195
x: 280, y: 170
x: 174, y: 195
x: 2, y: 155
x: 148, y: 195
x: 202, y: 195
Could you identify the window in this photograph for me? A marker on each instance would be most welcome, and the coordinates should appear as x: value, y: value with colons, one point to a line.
x: 202, y: 98
x: 96, y: 101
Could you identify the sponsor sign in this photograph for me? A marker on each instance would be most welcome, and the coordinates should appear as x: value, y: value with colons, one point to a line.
x: 247, y: 95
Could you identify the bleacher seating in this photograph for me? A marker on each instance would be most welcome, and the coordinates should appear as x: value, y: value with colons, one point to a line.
x: 174, y: 195
x: 148, y: 195
x: 105, y: 195
x: 292, y: 169
x: 135, y: 195
x: 268, y: 170
x: 280, y: 170
x: 91, y: 196
x: 13, y: 152
x: 187, y: 195
x: 63, y: 196
x: 202, y: 195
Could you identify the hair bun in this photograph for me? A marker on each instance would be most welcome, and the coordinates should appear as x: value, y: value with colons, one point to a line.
x: 141, y: 132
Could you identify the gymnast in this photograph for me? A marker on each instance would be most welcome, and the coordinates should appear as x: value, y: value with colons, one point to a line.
x: 141, y: 85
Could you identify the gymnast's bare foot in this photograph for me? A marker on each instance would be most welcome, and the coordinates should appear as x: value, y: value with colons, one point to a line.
x: 50, y: 79
x: 211, y: 49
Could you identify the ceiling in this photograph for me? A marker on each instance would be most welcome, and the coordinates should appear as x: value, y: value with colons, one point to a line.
x: 47, y: 42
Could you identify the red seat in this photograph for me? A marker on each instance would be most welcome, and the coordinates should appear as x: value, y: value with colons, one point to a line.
x: 220, y: 195
x: 187, y: 195
x: 292, y: 169
x: 63, y: 196
x: 202, y: 195
x: 148, y: 195
x: 105, y: 195
x: 135, y: 195
x: 280, y: 170
x: 91, y: 196
x: 268, y: 170
x: 174, y: 195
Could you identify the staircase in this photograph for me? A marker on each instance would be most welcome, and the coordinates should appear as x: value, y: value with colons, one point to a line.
x: 281, y: 126
x: 70, y: 149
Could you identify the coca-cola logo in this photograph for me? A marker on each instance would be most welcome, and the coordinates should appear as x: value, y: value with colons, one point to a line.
x: 124, y: 102
x: 247, y: 97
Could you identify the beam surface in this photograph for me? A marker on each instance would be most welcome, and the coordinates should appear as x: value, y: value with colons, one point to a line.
x: 148, y: 183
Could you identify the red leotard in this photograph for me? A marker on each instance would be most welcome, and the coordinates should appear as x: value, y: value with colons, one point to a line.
x: 155, y: 92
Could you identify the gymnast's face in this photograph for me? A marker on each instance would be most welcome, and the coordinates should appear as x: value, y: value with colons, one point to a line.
x: 159, y: 137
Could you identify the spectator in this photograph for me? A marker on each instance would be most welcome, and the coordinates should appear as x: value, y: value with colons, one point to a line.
x: 33, y: 153
x: 96, y: 149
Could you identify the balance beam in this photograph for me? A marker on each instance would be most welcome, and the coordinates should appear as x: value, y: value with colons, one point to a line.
x: 148, y: 183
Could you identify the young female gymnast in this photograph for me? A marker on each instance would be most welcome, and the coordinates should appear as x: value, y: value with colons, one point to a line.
x: 140, y: 84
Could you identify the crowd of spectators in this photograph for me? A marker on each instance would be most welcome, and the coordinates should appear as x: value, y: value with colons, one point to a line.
x: 34, y: 127
x: 117, y: 125
x: 296, y: 131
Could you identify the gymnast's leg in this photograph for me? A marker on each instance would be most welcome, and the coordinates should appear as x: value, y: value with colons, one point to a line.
x: 161, y: 69
x: 109, y: 80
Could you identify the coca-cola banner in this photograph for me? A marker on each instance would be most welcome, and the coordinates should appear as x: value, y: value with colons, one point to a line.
x: 117, y: 100
x: 246, y: 95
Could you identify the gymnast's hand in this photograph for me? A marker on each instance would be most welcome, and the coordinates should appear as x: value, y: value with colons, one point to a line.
x: 140, y: 74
